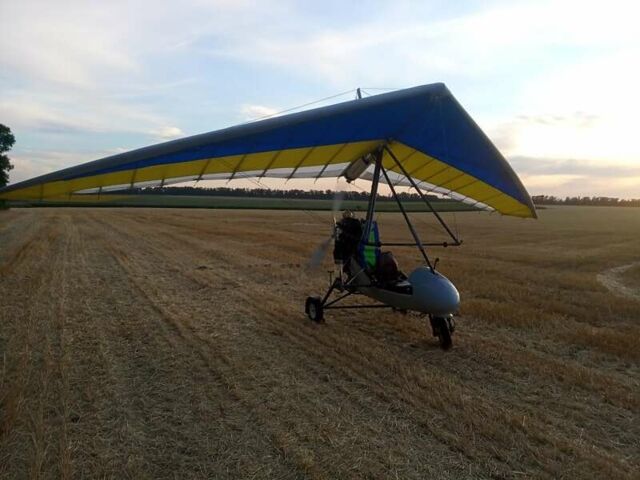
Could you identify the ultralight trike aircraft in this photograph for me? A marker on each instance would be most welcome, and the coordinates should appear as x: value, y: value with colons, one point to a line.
x: 365, y: 269
x: 418, y: 137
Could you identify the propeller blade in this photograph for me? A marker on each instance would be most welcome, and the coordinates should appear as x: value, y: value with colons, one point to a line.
x: 320, y: 252
x: 338, y: 198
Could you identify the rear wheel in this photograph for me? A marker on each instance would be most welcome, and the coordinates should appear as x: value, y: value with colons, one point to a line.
x: 442, y: 329
x: 313, y: 308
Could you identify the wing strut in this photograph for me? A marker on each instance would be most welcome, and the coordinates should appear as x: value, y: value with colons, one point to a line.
x: 379, y: 153
x: 416, y: 238
x: 423, y: 197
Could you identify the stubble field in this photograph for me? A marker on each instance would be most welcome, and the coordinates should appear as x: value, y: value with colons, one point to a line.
x: 149, y: 343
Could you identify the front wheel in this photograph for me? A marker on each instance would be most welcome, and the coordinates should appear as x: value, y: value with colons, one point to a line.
x: 313, y: 308
x: 442, y: 329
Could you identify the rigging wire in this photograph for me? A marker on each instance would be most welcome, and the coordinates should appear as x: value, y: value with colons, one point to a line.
x: 301, y: 106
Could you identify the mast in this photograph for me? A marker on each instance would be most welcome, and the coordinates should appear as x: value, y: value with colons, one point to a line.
x: 372, y: 196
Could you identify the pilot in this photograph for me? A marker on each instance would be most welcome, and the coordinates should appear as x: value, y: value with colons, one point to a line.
x: 348, y: 235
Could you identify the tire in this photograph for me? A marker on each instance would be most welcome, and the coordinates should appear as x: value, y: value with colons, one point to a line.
x: 313, y: 309
x: 440, y: 327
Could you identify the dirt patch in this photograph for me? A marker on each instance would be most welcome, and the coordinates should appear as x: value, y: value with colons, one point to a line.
x: 631, y: 277
x: 623, y: 280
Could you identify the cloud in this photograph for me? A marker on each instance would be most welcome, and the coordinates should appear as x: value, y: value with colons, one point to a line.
x: 31, y: 163
x: 574, y: 119
x: 28, y: 114
x: 577, y: 185
x: 577, y: 177
x: 65, y: 44
x: 545, y: 82
x: 598, y: 134
x: 573, y: 167
x: 256, y: 112
x: 409, y: 42
x: 400, y: 42
x: 167, y: 133
x: 69, y: 114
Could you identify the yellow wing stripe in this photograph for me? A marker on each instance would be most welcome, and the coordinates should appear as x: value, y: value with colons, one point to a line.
x: 421, y: 166
x: 319, y: 156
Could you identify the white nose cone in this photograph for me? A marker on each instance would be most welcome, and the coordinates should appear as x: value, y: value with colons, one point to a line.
x: 433, y: 293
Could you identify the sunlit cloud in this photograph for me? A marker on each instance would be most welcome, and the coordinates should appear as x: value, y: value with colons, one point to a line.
x: 167, y: 133
x: 563, y: 177
x: 592, y: 168
x: 256, y: 112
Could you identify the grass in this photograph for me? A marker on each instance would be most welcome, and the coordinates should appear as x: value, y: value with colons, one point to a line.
x: 153, y: 343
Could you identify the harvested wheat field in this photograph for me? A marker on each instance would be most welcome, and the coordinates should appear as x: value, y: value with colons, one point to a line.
x: 149, y: 343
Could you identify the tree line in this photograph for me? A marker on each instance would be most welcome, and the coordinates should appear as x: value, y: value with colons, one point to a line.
x: 6, y: 142
x: 272, y: 193
x: 596, y: 201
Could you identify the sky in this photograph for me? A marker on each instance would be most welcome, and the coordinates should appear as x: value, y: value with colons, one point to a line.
x: 553, y: 83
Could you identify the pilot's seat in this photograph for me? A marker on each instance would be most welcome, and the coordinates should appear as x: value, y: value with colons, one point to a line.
x: 380, y: 266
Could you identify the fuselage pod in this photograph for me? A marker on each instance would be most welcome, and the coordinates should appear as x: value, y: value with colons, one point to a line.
x: 424, y: 291
x: 433, y: 293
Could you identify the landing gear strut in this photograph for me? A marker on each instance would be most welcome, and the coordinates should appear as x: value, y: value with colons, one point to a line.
x: 442, y: 327
x: 314, y: 307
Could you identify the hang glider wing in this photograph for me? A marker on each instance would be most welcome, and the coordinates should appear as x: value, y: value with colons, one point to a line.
x: 427, y: 130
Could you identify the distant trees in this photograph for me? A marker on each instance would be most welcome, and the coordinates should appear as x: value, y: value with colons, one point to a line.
x: 270, y: 193
x: 6, y: 142
x: 596, y: 201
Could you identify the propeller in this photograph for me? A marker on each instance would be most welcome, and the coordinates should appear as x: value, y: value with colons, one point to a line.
x: 321, y: 250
